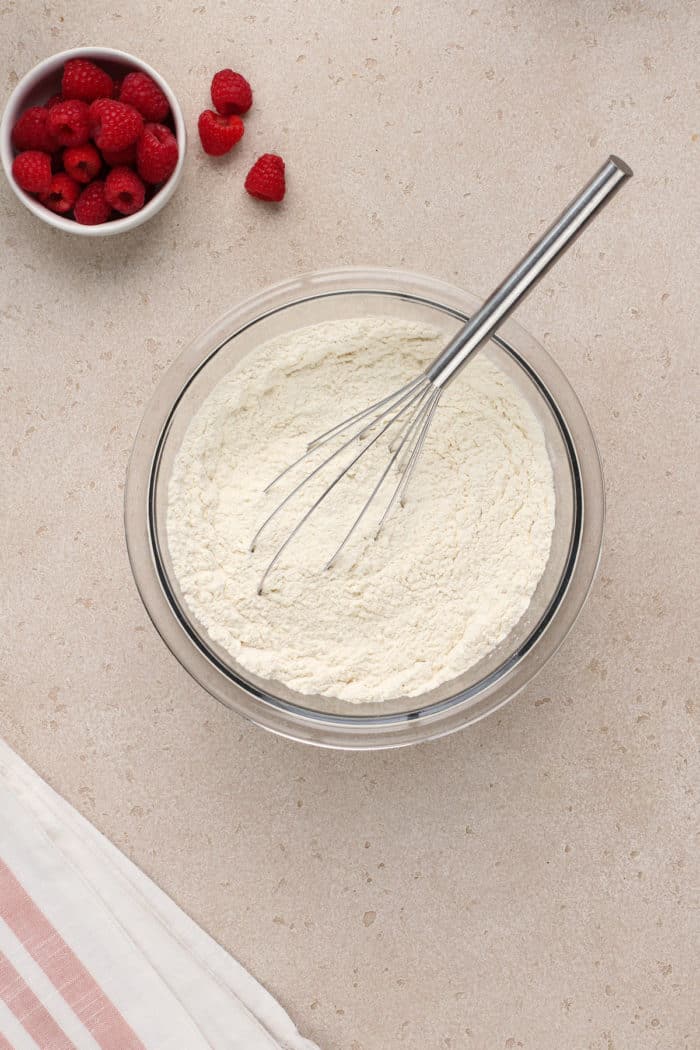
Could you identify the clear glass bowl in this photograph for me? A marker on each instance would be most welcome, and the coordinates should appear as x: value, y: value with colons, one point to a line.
x: 557, y: 601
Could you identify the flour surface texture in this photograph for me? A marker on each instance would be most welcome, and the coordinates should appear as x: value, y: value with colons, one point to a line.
x: 449, y: 576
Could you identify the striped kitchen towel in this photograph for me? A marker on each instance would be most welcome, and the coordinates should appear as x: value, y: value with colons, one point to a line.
x: 93, y: 955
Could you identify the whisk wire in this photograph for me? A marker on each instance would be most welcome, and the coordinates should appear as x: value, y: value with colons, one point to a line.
x: 315, y: 471
x: 396, y: 399
x: 415, y: 455
x: 345, y: 423
x: 415, y: 395
x: 424, y: 408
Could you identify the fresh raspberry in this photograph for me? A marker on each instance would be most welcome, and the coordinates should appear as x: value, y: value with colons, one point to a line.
x: 219, y: 134
x: 156, y: 153
x: 124, y: 190
x: 141, y: 91
x: 265, y: 180
x: 82, y: 162
x: 63, y: 193
x: 69, y: 122
x: 31, y: 171
x: 114, y: 125
x: 84, y: 80
x: 92, y: 206
x: 32, y: 131
x: 230, y: 92
x: 115, y: 158
x: 53, y: 101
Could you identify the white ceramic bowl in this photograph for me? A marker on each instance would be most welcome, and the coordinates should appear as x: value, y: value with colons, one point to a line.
x: 43, y: 81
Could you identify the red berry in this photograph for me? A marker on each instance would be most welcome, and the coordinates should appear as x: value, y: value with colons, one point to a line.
x: 82, y: 162
x: 92, y: 206
x: 156, y: 153
x: 114, y: 125
x: 32, y: 131
x: 53, y: 101
x: 115, y: 158
x: 141, y: 91
x: 69, y: 122
x: 84, y: 80
x: 219, y: 134
x: 230, y: 92
x: 63, y: 193
x: 265, y: 180
x: 124, y: 190
x: 31, y: 171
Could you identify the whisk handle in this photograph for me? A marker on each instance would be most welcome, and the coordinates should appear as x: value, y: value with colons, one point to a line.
x: 506, y: 297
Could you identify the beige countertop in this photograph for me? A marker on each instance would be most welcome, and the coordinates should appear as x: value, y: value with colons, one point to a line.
x: 529, y: 882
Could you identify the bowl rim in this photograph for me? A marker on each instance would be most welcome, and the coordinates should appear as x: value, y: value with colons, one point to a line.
x: 357, y: 731
x: 15, y: 104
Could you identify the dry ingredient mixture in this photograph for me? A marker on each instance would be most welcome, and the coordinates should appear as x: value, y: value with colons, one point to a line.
x: 451, y: 573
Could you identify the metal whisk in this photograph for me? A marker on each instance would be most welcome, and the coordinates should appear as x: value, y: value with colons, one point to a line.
x: 411, y: 408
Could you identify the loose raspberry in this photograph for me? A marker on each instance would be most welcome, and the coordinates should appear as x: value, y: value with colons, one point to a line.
x: 82, y: 162
x: 31, y: 171
x: 156, y: 153
x: 114, y: 125
x: 141, y: 91
x: 115, y: 158
x: 69, y: 122
x: 231, y: 92
x: 84, y: 80
x: 63, y: 193
x: 53, y: 101
x: 32, y: 131
x: 219, y: 134
x: 124, y: 190
x: 265, y: 180
x: 92, y: 206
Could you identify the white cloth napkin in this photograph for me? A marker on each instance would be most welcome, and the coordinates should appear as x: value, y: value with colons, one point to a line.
x: 94, y: 955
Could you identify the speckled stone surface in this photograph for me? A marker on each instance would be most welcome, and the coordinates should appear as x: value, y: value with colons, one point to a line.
x: 527, y: 883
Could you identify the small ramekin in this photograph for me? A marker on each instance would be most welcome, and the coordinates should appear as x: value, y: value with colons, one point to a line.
x: 43, y: 81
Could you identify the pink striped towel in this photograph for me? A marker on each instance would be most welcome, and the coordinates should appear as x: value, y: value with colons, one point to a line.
x: 93, y: 956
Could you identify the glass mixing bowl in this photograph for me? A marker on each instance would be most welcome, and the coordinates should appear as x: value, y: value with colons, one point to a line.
x: 560, y: 594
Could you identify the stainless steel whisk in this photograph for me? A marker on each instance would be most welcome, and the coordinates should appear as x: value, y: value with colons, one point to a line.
x: 411, y: 408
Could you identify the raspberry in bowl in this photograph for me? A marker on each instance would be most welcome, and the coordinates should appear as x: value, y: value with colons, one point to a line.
x: 92, y: 141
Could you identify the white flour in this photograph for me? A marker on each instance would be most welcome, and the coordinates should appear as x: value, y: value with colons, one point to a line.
x: 448, y: 578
